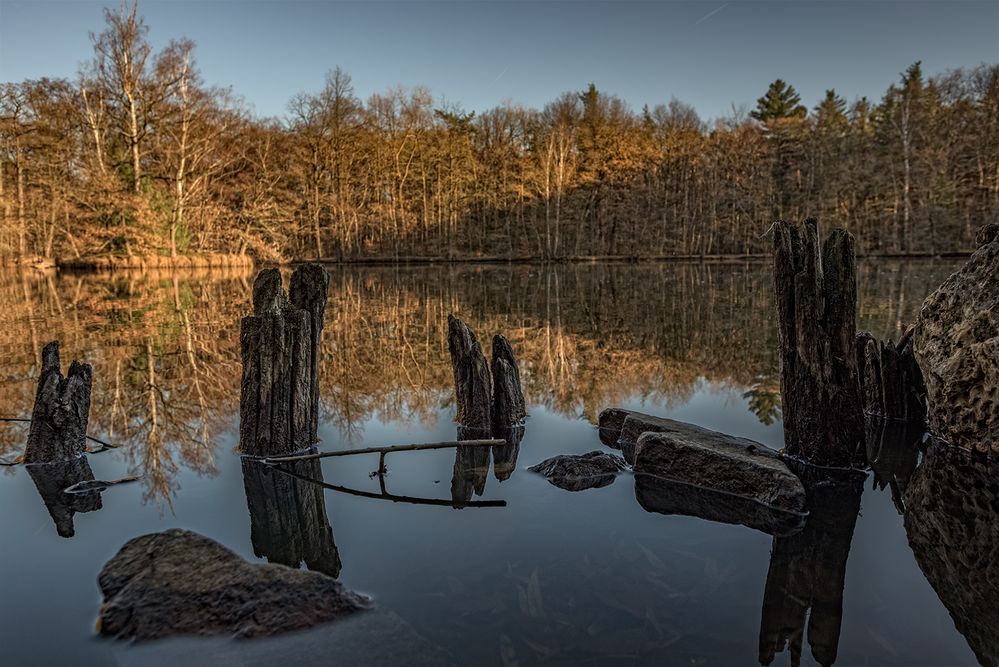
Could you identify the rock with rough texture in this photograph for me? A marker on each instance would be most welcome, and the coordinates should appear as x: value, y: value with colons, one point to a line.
x: 52, y: 480
x: 952, y: 522
x: 472, y: 387
x: 279, y: 345
x: 816, y: 298
x: 288, y: 520
x: 179, y: 582
x: 61, y: 411
x: 665, y: 496
x: 957, y: 346
x: 722, y: 463
x: 509, y: 407
x: 577, y: 472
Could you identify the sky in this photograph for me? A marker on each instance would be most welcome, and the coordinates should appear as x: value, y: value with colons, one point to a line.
x: 712, y: 55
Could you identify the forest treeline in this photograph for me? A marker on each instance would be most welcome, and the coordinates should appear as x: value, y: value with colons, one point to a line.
x: 139, y: 156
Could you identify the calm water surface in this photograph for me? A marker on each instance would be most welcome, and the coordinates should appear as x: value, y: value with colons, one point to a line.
x: 553, y: 577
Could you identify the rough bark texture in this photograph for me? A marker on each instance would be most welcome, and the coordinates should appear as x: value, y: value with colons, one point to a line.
x: 279, y: 343
x: 508, y: 396
x: 179, y: 582
x: 719, y: 462
x: 891, y: 383
x: 577, y: 472
x: 52, y: 479
x: 807, y: 572
x: 665, y: 496
x: 957, y: 346
x: 288, y: 520
x: 471, y: 377
x: 816, y: 295
x: 61, y: 411
x: 952, y: 522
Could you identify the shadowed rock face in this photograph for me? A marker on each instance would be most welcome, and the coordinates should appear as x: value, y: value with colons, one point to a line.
x: 957, y: 346
x: 579, y: 472
x: 179, y: 582
x: 804, y: 590
x: 952, y: 522
x: 288, y: 521
x: 51, y: 479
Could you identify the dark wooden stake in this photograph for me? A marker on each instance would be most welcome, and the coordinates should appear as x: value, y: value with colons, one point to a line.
x: 816, y: 296
x: 891, y: 383
x: 279, y: 399
x: 471, y: 376
x: 62, y: 408
x: 508, y: 396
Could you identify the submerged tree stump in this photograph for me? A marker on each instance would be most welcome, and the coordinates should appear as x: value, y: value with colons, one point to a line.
x: 61, y: 411
x: 471, y: 377
x: 279, y: 397
x: 891, y: 383
x: 816, y: 296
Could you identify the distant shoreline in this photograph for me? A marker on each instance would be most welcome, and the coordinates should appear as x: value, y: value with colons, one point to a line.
x: 228, y: 261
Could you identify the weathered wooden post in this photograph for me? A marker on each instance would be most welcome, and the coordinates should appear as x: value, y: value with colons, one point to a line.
x: 279, y: 398
x: 891, y: 383
x: 471, y: 377
x: 508, y: 396
x: 816, y: 295
x: 61, y: 411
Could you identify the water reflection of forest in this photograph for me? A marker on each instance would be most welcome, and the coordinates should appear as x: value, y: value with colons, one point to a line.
x: 165, y: 346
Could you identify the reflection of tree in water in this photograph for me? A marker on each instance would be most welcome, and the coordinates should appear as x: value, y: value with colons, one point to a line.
x: 165, y: 353
x: 764, y: 398
x: 51, y: 480
x: 165, y: 346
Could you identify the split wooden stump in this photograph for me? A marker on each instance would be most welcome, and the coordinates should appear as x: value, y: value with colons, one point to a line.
x: 61, y: 411
x: 279, y: 397
x: 816, y: 296
x: 891, y: 383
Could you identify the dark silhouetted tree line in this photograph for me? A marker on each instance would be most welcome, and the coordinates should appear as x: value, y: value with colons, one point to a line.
x: 139, y: 156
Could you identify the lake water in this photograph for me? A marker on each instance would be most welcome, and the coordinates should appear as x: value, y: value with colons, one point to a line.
x: 552, y: 577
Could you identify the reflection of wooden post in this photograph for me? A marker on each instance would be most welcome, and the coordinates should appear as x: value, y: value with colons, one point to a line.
x: 816, y: 295
x: 288, y: 521
x: 279, y: 400
x: 808, y: 571
x: 471, y: 467
x: 52, y: 479
x: 62, y: 408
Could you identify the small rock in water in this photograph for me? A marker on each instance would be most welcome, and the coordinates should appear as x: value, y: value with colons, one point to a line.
x: 579, y: 472
x: 179, y: 582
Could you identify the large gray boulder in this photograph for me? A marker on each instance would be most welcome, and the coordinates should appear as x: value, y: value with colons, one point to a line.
x: 577, y: 472
x: 957, y: 346
x: 179, y: 582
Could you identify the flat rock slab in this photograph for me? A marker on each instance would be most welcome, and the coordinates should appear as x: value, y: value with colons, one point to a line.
x: 577, y: 472
x: 666, y: 496
x: 179, y: 582
x: 722, y: 463
x: 701, y: 457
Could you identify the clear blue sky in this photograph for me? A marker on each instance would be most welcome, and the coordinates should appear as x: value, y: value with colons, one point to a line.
x: 709, y: 54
